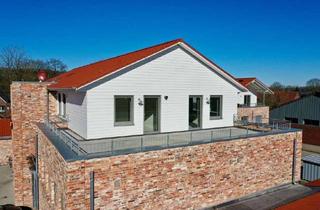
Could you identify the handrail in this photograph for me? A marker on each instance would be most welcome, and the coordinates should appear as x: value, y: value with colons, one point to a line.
x: 130, y: 144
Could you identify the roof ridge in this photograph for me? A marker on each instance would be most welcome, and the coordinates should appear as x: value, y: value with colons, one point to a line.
x: 173, y: 41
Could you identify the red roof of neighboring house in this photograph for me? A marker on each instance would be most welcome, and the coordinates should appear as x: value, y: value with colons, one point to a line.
x: 310, y: 134
x: 285, y: 97
x: 311, y: 202
x: 246, y: 81
x: 84, y: 75
x: 5, y: 127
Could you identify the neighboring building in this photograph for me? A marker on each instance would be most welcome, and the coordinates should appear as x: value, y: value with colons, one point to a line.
x: 257, y: 91
x: 5, y: 141
x: 281, y: 97
x: 303, y: 113
x: 152, y: 129
x: 251, y: 108
x: 4, y: 106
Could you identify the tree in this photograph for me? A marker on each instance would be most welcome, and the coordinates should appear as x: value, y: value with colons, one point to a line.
x: 313, y: 83
x: 15, y: 65
x: 56, y: 65
x: 276, y: 86
x: 12, y: 58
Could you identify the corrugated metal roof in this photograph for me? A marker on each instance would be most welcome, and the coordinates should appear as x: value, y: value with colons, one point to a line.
x: 312, y: 158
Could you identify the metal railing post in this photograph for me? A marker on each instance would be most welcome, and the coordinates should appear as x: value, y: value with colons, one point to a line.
x: 190, y: 137
x: 167, y: 140
x: 211, y: 135
x: 111, y: 146
x: 247, y: 132
x: 141, y: 143
x: 230, y: 134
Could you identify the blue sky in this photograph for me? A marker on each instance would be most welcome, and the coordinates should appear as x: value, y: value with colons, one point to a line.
x: 272, y: 40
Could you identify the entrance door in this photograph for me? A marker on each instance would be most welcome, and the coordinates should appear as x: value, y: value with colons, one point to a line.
x: 151, y: 114
x: 195, y: 104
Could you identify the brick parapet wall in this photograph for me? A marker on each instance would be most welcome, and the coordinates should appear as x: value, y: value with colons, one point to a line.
x: 5, y: 151
x: 181, y: 178
x: 29, y: 105
x: 252, y: 112
x: 52, y: 176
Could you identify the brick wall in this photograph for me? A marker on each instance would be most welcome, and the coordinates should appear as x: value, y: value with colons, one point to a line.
x: 179, y: 178
x: 52, y: 176
x: 5, y: 151
x: 252, y: 112
x: 29, y: 105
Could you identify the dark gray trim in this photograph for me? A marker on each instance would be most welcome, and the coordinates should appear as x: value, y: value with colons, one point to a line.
x: 221, y: 107
x: 201, y: 111
x: 128, y: 123
x: 159, y: 112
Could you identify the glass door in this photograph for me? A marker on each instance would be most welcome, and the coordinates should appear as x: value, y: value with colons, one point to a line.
x: 151, y: 114
x: 195, y: 104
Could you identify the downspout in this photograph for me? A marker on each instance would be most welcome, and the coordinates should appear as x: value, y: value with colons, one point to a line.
x: 293, y: 179
x: 48, y: 105
x: 37, y: 204
x: 91, y: 190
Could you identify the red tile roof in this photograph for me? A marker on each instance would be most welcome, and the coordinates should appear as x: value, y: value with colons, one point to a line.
x: 85, y: 74
x: 310, y: 134
x: 284, y: 97
x: 246, y: 81
x: 81, y: 76
x: 5, y: 127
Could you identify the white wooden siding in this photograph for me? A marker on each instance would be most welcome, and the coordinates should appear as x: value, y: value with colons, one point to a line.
x: 242, y: 94
x: 176, y: 75
x: 76, y: 111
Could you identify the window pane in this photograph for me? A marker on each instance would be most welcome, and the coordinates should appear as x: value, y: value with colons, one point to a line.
x: 64, y: 104
x: 215, y: 106
x: 247, y: 100
x: 60, y: 104
x: 123, y: 109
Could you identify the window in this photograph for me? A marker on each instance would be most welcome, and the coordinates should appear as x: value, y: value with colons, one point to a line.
x: 215, y: 107
x: 59, y: 104
x: 258, y: 119
x: 291, y: 119
x: 247, y: 100
x: 311, y: 122
x: 245, y: 119
x: 123, y: 110
x: 2, y: 109
x: 62, y: 100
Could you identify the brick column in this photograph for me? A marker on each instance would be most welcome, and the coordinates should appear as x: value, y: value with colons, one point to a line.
x: 29, y: 105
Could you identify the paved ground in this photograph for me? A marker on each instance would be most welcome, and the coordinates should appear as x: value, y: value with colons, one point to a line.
x: 6, y: 185
x: 269, y: 200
